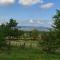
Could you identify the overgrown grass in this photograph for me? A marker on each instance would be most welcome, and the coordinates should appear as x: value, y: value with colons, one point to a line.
x: 28, y: 54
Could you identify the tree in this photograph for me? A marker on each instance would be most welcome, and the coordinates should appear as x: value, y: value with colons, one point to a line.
x: 57, y: 20
x: 51, y: 41
x: 48, y: 42
x: 2, y: 36
x: 12, y: 32
x: 12, y: 23
x: 56, y: 25
x: 9, y: 32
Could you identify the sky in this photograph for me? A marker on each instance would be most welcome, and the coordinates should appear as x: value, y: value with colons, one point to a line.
x: 29, y: 12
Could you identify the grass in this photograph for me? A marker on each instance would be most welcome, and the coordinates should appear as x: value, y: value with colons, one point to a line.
x: 28, y: 54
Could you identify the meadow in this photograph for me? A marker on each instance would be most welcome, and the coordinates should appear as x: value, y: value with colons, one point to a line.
x: 27, y: 54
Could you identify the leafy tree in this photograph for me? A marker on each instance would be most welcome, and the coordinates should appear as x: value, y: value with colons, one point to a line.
x: 12, y: 31
x: 2, y: 36
x: 12, y: 23
x: 9, y: 32
x: 48, y: 42
x: 57, y: 20
x: 56, y: 25
x: 51, y: 41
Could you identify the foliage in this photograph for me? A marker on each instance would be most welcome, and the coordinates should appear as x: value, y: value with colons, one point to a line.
x: 2, y: 36
x: 51, y: 40
x: 48, y: 42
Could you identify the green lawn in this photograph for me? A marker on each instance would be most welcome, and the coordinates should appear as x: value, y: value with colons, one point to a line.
x: 28, y: 54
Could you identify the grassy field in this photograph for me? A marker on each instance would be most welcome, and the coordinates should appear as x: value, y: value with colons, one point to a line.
x: 28, y: 54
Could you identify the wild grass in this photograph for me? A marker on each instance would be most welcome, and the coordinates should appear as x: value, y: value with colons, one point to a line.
x: 28, y: 54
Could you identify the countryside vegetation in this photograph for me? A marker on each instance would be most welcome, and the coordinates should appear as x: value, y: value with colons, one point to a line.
x: 16, y: 44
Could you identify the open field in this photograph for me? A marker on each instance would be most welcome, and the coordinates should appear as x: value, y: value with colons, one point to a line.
x: 28, y: 54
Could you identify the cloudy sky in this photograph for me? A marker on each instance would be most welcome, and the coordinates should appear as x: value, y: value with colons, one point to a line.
x: 29, y: 12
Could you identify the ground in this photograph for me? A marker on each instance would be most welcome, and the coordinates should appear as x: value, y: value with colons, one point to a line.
x: 28, y: 54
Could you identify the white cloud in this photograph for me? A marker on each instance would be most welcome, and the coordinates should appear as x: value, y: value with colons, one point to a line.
x: 6, y: 2
x: 29, y: 2
x: 31, y: 21
x: 38, y: 21
x: 47, y: 5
